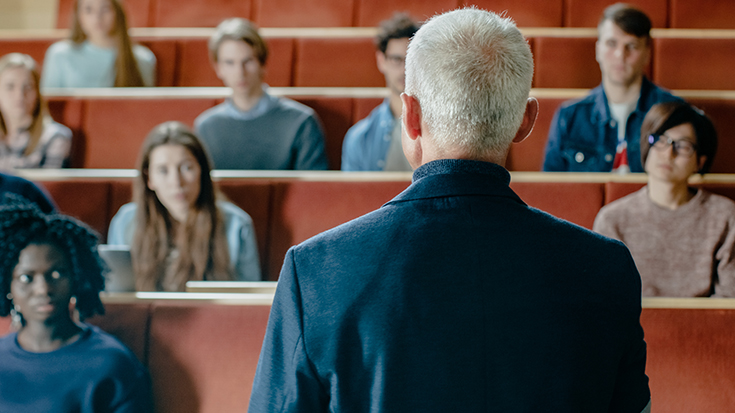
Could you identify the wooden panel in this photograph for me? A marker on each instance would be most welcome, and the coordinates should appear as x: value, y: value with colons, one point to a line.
x: 253, y: 196
x: 203, y: 358
x: 303, y: 13
x: 303, y: 209
x: 525, y: 13
x: 587, y: 13
x: 702, y: 14
x: 690, y: 359
x: 722, y: 113
x: 109, y: 144
x: 577, y: 202
x: 694, y: 63
x: 83, y: 199
x: 371, y: 12
x: 166, y: 54
x: 346, y: 62
x: 565, y: 62
x: 36, y: 48
x: 172, y: 13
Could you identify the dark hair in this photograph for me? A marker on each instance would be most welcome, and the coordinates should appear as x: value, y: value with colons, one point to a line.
x: 630, y: 20
x: 664, y: 116
x: 200, y: 240
x: 23, y: 224
x: 400, y: 26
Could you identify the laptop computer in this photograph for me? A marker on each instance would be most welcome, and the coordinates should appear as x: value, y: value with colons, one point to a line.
x: 121, y: 277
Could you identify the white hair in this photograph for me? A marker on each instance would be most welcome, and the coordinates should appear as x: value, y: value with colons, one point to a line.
x: 471, y: 71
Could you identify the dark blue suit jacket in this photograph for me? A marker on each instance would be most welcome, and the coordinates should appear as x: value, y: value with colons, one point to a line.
x: 455, y: 297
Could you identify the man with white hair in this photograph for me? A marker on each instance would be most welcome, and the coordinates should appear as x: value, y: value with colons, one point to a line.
x: 456, y: 296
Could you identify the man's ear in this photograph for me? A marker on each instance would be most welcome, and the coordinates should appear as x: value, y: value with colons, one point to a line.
x: 702, y: 160
x: 529, y: 119
x: 411, y: 116
x: 380, y: 61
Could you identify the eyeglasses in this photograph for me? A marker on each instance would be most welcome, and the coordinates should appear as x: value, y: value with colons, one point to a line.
x: 395, y: 60
x: 681, y: 147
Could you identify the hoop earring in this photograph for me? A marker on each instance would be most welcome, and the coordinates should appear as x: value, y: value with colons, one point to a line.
x: 9, y: 296
x: 16, y: 318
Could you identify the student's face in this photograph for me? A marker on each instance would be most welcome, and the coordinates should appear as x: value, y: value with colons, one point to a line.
x: 41, y: 284
x: 175, y: 176
x: 97, y: 18
x: 392, y: 64
x: 18, y: 94
x: 622, y: 57
x: 664, y: 165
x: 238, y: 67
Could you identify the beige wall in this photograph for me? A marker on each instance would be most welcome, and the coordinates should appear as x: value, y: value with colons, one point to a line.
x: 28, y: 14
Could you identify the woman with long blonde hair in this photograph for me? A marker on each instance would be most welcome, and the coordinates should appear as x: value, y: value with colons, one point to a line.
x: 29, y: 138
x: 177, y: 229
x: 99, y: 52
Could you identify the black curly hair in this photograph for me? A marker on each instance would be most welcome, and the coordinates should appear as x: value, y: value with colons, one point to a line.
x: 22, y: 224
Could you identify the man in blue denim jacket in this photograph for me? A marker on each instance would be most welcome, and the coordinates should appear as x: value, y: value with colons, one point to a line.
x: 374, y: 143
x: 601, y: 132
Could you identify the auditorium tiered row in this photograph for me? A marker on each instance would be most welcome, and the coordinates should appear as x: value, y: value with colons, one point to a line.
x: 288, y: 208
x: 202, y: 353
x: 563, y: 58
x: 367, y: 13
x: 105, y: 135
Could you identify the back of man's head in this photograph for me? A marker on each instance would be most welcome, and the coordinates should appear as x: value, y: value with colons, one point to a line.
x: 400, y: 26
x: 471, y: 72
x: 630, y: 20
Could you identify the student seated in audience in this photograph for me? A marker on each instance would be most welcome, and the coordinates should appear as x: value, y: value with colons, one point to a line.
x: 10, y: 184
x: 600, y: 132
x: 682, y: 238
x: 177, y: 229
x: 252, y: 129
x: 49, y: 263
x: 99, y: 52
x: 374, y: 143
x: 29, y: 138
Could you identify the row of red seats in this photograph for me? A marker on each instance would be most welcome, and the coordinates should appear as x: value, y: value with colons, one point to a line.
x: 102, y: 125
x: 289, y: 210
x: 561, y: 61
x: 202, y: 355
x: 368, y: 13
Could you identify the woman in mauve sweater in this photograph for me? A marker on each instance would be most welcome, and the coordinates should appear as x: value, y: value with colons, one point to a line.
x: 681, y: 238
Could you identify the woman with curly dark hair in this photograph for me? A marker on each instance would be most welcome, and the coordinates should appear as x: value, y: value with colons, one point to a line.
x: 49, y: 264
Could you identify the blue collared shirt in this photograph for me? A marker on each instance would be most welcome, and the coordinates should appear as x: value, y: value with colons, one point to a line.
x: 583, y: 135
x: 366, y: 144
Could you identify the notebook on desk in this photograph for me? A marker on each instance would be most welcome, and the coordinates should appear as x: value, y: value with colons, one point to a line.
x: 121, y: 277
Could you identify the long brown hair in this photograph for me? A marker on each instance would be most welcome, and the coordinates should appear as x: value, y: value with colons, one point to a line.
x: 127, y: 72
x: 40, y: 112
x: 200, y: 241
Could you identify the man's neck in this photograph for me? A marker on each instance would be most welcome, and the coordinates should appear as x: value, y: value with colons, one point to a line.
x: 396, y: 106
x: 247, y: 101
x: 623, y: 93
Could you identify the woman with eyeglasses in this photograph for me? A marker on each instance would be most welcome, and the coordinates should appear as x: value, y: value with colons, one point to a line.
x: 682, y: 238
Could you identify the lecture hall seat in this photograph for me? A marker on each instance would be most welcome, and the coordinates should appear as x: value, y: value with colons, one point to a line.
x: 209, y: 13
x: 702, y: 14
x: 587, y: 13
x: 303, y: 13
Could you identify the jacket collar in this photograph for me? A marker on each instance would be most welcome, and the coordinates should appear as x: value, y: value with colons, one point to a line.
x: 456, y: 177
x: 602, y: 111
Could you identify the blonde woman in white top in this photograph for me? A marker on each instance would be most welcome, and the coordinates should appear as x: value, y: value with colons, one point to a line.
x: 29, y: 138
